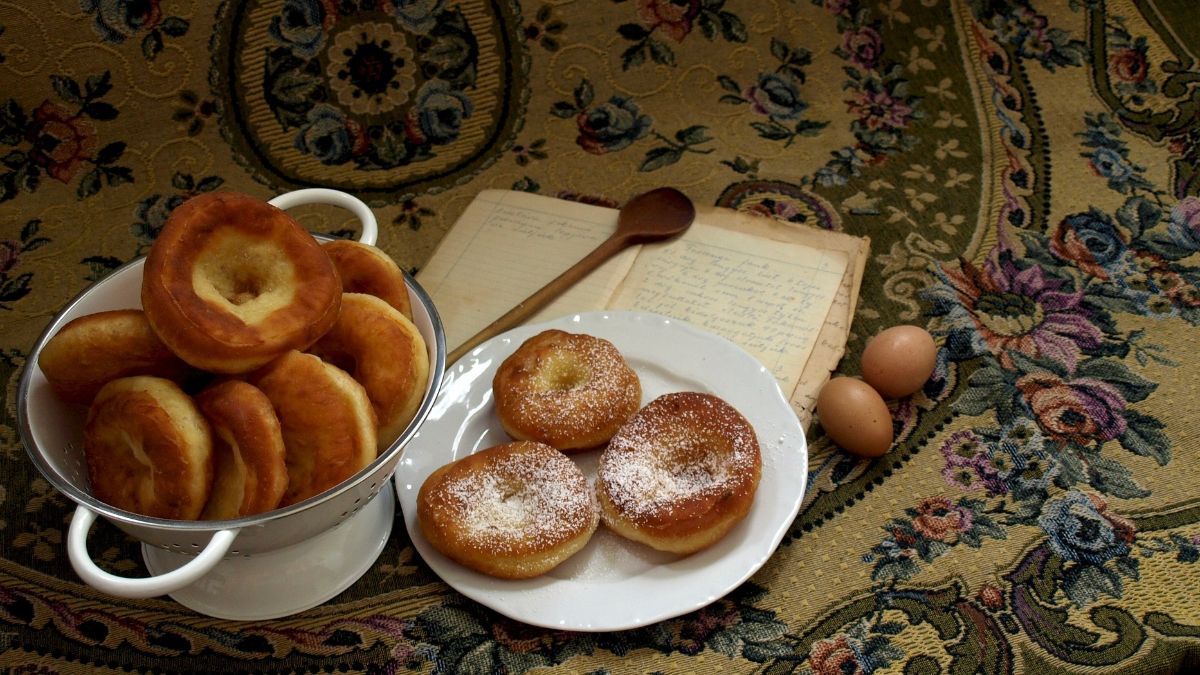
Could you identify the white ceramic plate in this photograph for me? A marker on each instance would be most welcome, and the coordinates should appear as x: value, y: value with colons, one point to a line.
x: 613, y: 583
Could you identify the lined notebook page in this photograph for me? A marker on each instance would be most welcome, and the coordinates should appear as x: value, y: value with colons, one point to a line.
x: 770, y: 297
x: 507, y: 245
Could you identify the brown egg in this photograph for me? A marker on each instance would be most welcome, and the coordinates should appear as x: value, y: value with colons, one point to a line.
x: 898, y: 361
x: 855, y: 417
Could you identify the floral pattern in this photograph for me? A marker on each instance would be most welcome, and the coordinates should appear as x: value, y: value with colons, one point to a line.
x: 119, y: 20
x: 1046, y: 445
x: 335, y: 73
x: 60, y: 140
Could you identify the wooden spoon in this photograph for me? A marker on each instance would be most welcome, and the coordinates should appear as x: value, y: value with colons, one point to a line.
x: 651, y: 216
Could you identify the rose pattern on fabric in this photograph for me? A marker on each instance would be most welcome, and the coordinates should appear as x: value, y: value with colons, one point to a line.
x: 1090, y: 241
x: 674, y: 19
x: 1015, y: 464
x: 864, y: 46
x: 438, y: 112
x: 1081, y: 530
x: 1076, y: 411
x: 116, y: 21
x: 62, y: 142
x: 302, y: 24
x: 611, y: 126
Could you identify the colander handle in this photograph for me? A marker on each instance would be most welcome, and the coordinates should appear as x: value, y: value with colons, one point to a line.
x: 370, y: 229
x: 147, y: 587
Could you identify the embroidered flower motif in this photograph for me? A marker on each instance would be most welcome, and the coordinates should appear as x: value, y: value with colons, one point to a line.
x: 302, y: 25
x: 1081, y: 411
x: 1128, y: 65
x: 672, y: 17
x: 611, y: 126
x: 776, y: 95
x: 942, y: 520
x: 836, y: 656
x: 878, y: 109
x: 1091, y: 241
x: 371, y: 69
x: 969, y: 464
x: 1024, y: 311
x: 119, y: 20
x: 326, y: 135
x: 437, y: 113
x: 864, y: 45
x: 62, y: 142
x: 1081, y: 529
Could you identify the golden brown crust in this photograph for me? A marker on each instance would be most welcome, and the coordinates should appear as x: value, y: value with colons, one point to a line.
x: 385, y: 353
x: 367, y: 269
x: 231, y: 282
x: 568, y: 390
x: 512, y: 511
x: 680, y: 474
x: 148, y: 449
x: 249, y: 471
x: 91, y: 351
x: 326, y: 419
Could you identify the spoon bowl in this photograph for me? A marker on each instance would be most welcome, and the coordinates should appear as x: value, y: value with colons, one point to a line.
x: 656, y: 215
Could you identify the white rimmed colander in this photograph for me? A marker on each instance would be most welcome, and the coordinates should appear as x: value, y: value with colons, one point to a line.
x: 52, y: 433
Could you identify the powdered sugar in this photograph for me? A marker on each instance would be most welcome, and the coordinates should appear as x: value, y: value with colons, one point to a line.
x: 529, y: 500
x: 678, y: 449
x: 568, y: 390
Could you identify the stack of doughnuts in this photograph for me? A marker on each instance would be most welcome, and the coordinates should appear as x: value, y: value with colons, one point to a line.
x: 676, y: 475
x: 259, y: 373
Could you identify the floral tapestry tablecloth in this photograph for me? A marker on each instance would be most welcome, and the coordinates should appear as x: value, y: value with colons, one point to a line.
x: 1027, y: 173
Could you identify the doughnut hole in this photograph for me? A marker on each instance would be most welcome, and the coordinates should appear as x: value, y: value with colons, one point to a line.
x: 561, y: 372
x: 244, y: 276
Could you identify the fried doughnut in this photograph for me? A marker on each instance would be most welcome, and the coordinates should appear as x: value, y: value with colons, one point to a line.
x: 567, y: 390
x: 512, y: 511
x: 148, y: 449
x: 680, y: 474
x: 367, y: 269
x: 249, y: 472
x: 92, y: 350
x: 326, y: 419
x: 232, y: 282
x: 385, y: 353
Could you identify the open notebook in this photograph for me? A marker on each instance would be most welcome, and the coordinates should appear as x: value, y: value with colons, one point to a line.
x: 784, y: 292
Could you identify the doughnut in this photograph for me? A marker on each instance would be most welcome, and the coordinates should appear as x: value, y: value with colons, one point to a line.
x: 512, y: 511
x: 249, y: 471
x: 367, y: 269
x: 381, y: 349
x: 567, y: 390
x: 326, y: 419
x: 92, y: 350
x: 680, y: 474
x: 232, y: 282
x: 148, y: 449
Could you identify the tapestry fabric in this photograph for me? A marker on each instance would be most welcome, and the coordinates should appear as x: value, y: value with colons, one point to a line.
x: 1028, y: 173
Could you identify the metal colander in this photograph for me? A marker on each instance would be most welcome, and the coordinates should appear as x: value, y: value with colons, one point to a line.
x: 52, y: 432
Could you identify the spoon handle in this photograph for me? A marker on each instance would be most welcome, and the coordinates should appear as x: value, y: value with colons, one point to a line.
x: 542, y: 297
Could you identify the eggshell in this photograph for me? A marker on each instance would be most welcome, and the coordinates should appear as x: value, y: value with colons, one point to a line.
x: 855, y: 417
x: 899, y: 361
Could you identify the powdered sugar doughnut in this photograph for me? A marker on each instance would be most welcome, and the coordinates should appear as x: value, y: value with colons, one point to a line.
x: 512, y: 511
x: 567, y: 390
x: 680, y: 474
